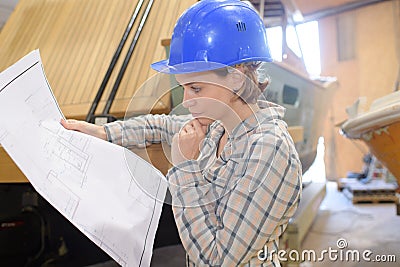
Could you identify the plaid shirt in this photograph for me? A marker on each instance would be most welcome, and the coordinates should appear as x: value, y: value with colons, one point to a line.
x: 228, y: 209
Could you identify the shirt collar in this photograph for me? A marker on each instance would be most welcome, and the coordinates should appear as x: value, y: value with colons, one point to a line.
x: 268, y: 111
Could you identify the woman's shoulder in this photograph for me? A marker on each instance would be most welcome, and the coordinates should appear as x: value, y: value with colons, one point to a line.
x: 273, y: 131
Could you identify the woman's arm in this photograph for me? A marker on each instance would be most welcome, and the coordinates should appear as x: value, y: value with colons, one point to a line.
x: 138, y: 131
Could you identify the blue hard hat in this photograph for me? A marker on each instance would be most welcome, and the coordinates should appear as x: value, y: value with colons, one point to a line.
x: 215, y: 33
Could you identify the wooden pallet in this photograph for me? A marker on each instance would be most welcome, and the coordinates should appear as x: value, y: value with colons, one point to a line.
x: 344, y: 182
x: 376, y: 191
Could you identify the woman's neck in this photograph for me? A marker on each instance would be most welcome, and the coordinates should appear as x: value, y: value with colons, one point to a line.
x: 238, y: 114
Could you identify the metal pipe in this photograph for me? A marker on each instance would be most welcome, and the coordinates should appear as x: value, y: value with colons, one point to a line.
x: 113, y: 62
x: 128, y: 56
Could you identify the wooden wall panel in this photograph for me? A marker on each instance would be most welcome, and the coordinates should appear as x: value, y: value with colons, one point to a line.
x: 77, y: 40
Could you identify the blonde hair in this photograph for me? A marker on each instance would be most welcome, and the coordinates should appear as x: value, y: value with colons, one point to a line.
x: 252, y: 88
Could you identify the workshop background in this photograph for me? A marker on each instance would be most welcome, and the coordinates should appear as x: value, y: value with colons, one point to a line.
x: 358, y: 56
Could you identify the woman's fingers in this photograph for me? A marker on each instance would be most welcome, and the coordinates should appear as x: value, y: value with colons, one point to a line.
x: 85, y: 127
x: 186, y: 144
x: 198, y: 127
x: 71, y: 124
x: 194, y: 126
x: 189, y: 128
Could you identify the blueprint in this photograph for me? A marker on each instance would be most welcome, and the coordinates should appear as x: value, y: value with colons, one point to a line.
x: 93, y: 183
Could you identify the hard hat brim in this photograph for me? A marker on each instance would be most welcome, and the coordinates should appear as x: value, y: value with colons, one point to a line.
x: 188, y: 67
x: 196, y: 66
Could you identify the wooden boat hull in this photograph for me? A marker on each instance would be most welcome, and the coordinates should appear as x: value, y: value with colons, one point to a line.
x: 384, y: 144
x: 379, y: 129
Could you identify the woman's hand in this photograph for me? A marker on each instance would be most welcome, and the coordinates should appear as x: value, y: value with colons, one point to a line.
x: 186, y: 143
x: 85, y: 127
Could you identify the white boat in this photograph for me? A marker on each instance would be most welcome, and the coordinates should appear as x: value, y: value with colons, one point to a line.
x: 379, y: 129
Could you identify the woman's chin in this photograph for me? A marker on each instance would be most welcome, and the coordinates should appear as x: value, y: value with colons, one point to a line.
x: 205, y: 121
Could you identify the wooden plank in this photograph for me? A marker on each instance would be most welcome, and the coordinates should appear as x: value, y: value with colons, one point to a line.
x: 369, y: 198
x: 297, y: 133
x: 9, y: 172
x: 375, y: 191
x: 103, y: 59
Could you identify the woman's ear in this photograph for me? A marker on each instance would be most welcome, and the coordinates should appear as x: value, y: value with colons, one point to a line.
x: 237, y: 78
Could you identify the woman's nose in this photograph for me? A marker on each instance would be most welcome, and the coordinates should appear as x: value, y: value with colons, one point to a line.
x: 188, y: 100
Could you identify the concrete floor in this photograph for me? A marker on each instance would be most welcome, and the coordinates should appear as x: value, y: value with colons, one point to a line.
x: 362, y: 227
x: 365, y: 226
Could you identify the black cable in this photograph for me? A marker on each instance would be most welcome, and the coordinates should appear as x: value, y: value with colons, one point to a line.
x: 114, y: 61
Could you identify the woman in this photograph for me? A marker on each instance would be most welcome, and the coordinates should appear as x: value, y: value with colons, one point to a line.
x: 236, y: 176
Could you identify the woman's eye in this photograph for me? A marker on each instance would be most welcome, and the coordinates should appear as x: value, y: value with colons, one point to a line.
x: 195, y: 89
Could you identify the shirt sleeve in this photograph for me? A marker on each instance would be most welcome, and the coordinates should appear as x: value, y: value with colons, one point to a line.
x: 263, y: 193
x: 144, y: 130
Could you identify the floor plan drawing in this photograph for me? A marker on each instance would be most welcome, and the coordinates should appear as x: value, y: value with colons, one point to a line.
x: 109, y: 193
x: 70, y: 152
x: 60, y: 194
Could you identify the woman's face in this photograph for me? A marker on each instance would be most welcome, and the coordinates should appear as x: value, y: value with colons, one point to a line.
x: 207, y: 96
